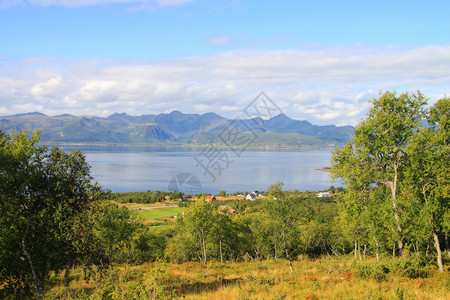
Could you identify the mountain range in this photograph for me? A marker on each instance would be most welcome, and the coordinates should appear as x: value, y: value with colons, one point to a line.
x: 176, y: 128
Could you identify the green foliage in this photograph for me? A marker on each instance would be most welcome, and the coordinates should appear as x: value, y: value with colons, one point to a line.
x: 275, y: 189
x: 114, y: 226
x: 149, y: 245
x: 374, y: 271
x: 412, y: 267
x: 143, y: 197
x: 396, y: 172
x: 222, y: 194
x: 42, y: 194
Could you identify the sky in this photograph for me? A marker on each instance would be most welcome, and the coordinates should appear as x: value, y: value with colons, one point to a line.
x: 321, y: 61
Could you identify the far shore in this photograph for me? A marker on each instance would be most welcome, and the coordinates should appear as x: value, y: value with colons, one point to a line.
x: 325, y: 169
x: 193, y: 147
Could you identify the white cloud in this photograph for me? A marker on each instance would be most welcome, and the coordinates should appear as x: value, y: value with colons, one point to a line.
x: 305, y: 97
x: 323, y: 86
x: 79, y: 3
x: 230, y: 108
x: 48, y: 88
x: 163, y: 3
x: 203, y: 108
x: 327, y: 116
x: 220, y: 40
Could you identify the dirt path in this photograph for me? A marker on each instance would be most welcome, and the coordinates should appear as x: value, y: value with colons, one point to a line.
x: 154, y: 207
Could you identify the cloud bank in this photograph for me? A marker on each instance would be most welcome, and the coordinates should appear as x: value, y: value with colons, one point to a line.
x: 331, y: 86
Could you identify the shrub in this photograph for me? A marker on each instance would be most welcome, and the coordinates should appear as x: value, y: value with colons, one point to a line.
x: 412, y: 267
x: 375, y: 271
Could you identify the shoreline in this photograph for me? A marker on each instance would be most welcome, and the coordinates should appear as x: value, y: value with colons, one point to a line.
x: 194, y: 147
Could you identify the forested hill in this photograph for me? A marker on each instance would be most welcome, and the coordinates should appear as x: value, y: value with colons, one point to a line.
x: 176, y: 128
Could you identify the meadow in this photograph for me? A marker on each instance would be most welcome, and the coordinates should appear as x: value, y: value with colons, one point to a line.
x: 323, y: 278
x: 158, y: 214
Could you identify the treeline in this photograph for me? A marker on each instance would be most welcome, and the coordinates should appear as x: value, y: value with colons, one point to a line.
x: 143, y: 197
x: 286, y: 228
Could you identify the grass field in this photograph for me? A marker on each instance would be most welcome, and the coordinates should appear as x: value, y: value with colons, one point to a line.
x: 156, y: 212
x: 160, y: 214
x: 324, y: 278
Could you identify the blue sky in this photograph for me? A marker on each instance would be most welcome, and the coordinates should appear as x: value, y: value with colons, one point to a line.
x: 318, y: 60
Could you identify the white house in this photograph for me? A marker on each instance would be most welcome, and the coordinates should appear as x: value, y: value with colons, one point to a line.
x: 251, y: 196
x: 323, y: 194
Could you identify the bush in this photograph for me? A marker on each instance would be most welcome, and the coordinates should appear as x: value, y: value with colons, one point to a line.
x: 375, y: 271
x: 412, y: 267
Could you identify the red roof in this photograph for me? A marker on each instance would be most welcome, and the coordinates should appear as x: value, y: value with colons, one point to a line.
x: 210, y: 198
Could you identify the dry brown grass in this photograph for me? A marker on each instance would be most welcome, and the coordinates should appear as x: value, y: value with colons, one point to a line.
x: 325, y: 278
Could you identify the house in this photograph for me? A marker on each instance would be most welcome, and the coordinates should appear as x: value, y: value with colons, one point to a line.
x: 258, y: 194
x: 210, y: 198
x: 227, y: 208
x: 323, y: 194
x: 185, y: 198
x: 251, y: 196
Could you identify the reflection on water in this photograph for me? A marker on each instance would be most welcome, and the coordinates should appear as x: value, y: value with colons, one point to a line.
x: 122, y: 169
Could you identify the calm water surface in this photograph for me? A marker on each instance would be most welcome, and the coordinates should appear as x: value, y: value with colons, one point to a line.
x: 122, y: 169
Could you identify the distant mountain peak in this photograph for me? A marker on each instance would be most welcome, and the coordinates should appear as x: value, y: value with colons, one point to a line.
x: 30, y: 114
x: 116, y: 114
x: 176, y: 112
x: 281, y: 117
x: 174, y: 127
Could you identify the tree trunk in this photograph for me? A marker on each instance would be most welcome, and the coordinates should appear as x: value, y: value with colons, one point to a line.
x: 396, y: 214
x: 356, y: 248
x: 364, y: 252
x: 290, y: 264
x: 378, y: 251
x: 288, y: 257
x: 447, y: 244
x: 439, y: 252
x: 285, y: 248
x: 67, y: 272
x: 275, y: 248
x: 359, y: 252
x: 393, y: 251
x: 39, y: 287
x: 220, y: 249
x: 110, y: 254
x: 203, y: 245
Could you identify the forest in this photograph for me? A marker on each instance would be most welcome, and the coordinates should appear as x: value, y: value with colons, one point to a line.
x: 392, y: 219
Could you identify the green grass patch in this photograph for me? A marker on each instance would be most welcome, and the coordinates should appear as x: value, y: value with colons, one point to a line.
x: 159, y: 214
x: 162, y: 227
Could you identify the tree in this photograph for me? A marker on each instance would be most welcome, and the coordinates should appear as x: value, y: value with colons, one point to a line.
x: 222, y: 194
x: 428, y: 177
x: 114, y: 226
x: 41, y: 192
x: 198, y: 225
x: 286, y: 216
x: 275, y: 190
x: 376, y: 155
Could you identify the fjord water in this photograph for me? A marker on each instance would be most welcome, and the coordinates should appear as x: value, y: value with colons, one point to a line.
x: 127, y: 169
